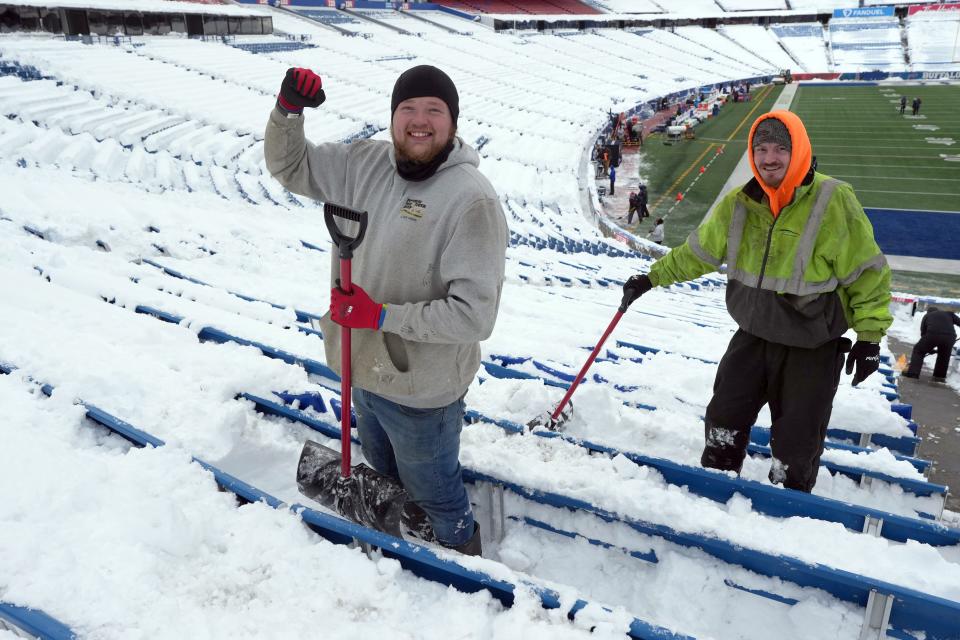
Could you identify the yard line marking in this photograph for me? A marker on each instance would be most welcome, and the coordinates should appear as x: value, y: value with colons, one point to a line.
x: 897, y: 166
x: 835, y: 175
x: 849, y: 127
x: 683, y: 175
x: 908, y: 193
x: 906, y: 136
x: 915, y: 210
x: 863, y: 146
x: 860, y: 155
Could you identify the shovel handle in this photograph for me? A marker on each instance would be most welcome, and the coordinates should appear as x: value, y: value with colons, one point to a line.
x: 345, y: 245
x: 586, y: 365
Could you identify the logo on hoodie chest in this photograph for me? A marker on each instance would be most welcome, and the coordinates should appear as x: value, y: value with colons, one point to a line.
x: 413, y: 209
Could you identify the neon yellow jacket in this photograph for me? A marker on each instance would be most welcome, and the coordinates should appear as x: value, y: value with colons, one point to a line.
x: 800, y: 278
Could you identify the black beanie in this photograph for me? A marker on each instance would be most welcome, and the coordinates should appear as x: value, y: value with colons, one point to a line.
x: 426, y: 81
x: 772, y: 130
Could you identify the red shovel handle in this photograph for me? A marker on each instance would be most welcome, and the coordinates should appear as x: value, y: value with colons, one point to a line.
x: 346, y: 285
x: 586, y: 365
x: 345, y: 246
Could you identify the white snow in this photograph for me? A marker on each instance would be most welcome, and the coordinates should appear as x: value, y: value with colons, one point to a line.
x: 151, y: 159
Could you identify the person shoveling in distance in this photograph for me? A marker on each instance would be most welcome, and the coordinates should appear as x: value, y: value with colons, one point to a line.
x: 426, y: 281
x: 802, y: 267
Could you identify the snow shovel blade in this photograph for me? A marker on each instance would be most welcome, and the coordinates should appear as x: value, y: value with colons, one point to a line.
x: 548, y: 422
x: 367, y: 497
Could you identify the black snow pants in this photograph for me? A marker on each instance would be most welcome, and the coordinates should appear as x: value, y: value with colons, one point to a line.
x: 799, y: 384
x: 939, y: 342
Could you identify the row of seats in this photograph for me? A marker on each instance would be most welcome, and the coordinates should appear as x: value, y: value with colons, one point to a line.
x: 272, y: 47
x: 798, y: 30
x: 327, y: 16
x: 856, y: 25
x: 855, y: 46
x: 542, y: 7
x: 14, y: 68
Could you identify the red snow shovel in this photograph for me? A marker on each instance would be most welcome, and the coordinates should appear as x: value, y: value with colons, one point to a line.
x: 361, y: 493
x: 556, y: 420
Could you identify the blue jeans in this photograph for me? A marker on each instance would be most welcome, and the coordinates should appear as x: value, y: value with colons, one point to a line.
x: 421, y: 447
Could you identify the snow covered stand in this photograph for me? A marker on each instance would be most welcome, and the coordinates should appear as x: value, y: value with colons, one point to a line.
x: 890, y: 610
x: 760, y: 436
x: 757, y: 563
x: 317, y: 368
x: 312, y: 366
x: 216, y: 335
x: 503, y: 366
x: 416, y: 558
x: 555, y: 377
x: 497, y: 498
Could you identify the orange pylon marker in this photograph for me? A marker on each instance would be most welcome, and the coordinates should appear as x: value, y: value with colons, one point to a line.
x: 703, y: 169
x: 679, y: 196
x: 901, y: 362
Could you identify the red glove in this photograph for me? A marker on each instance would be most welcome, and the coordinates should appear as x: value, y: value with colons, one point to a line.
x: 356, y: 310
x: 300, y: 88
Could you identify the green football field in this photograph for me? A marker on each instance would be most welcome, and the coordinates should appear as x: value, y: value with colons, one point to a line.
x: 858, y: 136
x: 672, y: 168
x: 892, y: 161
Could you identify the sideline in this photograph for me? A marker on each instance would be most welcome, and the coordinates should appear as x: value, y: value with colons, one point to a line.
x: 683, y: 175
x: 935, y: 409
x: 760, y: 96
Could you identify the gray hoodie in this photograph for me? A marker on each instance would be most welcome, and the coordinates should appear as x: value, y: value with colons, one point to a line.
x: 433, y: 253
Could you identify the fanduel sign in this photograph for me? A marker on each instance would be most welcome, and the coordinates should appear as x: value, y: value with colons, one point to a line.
x: 863, y: 12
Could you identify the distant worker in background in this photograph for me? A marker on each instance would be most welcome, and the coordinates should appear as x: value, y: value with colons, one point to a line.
x: 936, y: 335
x: 632, y: 208
x: 657, y: 234
x: 637, y: 131
x: 642, y: 199
x: 903, y: 104
x: 613, y: 178
x: 802, y: 267
x: 916, y: 105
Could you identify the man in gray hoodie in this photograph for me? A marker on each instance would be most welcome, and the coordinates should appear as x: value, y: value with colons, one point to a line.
x: 426, y: 279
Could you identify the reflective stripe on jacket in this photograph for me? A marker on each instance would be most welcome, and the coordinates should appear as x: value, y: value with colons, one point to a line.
x: 800, y: 278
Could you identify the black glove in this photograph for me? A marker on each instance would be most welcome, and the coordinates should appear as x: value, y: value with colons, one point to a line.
x: 866, y: 355
x: 300, y: 88
x: 633, y: 288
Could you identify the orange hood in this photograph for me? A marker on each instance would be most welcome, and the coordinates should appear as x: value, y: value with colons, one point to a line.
x: 800, y: 158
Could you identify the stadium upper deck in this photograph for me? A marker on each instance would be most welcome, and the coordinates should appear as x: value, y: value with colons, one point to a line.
x: 827, y: 36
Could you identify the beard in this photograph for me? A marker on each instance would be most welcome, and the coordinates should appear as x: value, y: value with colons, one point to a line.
x: 406, y: 154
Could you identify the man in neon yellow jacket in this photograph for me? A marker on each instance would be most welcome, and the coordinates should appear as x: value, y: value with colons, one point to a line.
x: 802, y: 268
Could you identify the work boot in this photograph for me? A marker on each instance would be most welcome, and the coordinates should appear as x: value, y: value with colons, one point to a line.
x: 416, y: 523
x: 938, y: 379
x: 472, y: 546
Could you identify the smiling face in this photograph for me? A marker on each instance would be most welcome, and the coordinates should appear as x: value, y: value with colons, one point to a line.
x: 772, y: 160
x: 421, y: 128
